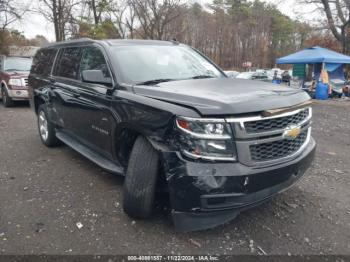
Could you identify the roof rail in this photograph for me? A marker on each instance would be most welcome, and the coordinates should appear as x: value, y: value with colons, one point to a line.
x: 75, y: 40
x: 85, y: 39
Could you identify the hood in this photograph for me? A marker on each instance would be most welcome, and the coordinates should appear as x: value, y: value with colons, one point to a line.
x: 225, y: 96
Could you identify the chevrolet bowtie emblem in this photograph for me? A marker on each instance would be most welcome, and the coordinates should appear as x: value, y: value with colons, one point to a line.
x: 291, y: 132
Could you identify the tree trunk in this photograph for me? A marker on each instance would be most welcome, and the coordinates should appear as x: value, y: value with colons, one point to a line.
x: 342, y: 37
x: 94, y: 10
x: 346, y: 38
x: 55, y: 20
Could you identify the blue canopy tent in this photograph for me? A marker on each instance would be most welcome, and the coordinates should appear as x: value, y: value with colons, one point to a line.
x: 321, y: 58
x: 314, y: 55
x: 330, y: 60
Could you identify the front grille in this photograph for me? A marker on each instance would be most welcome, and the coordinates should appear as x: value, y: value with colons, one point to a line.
x: 26, y: 82
x: 275, y: 123
x: 277, y: 149
x: 260, y: 140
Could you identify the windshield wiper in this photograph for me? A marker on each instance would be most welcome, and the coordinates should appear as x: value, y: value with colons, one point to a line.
x: 155, y: 81
x: 12, y: 69
x: 202, y: 77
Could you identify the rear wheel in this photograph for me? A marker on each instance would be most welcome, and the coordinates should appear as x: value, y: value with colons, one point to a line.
x: 46, y: 128
x: 6, y: 100
x: 141, y: 179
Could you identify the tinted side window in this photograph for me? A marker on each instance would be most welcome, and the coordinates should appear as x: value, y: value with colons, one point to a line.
x: 93, y: 59
x: 43, y: 61
x: 68, y: 63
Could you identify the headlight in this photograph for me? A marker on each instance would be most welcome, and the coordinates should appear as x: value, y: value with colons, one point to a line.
x: 208, y: 139
x: 15, y: 82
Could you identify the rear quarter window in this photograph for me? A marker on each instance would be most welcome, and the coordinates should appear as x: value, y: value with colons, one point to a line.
x: 43, y: 61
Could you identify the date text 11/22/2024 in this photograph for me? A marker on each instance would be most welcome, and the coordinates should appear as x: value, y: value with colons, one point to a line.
x: 173, y: 258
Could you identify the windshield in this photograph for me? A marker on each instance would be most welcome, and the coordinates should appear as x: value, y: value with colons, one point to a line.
x: 140, y: 63
x: 17, y: 64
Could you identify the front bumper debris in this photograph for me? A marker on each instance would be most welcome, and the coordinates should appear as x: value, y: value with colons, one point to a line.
x: 204, y: 195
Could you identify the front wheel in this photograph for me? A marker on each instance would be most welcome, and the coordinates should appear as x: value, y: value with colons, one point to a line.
x: 141, y: 179
x: 46, y: 128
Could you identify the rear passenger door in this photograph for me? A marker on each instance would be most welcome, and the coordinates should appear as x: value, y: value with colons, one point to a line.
x: 39, y: 78
x: 64, y: 87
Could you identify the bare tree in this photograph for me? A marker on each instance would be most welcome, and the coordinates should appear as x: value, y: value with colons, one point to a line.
x: 154, y: 15
x: 98, y: 8
x: 60, y: 13
x: 338, y: 19
x: 124, y: 18
x: 229, y: 31
x: 11, y: 11
x: 236, y: 31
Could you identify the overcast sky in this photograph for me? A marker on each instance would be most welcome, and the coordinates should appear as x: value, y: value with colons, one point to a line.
x: 34, y: 24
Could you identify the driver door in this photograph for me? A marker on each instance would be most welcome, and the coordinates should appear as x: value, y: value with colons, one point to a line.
x: 93, y: 109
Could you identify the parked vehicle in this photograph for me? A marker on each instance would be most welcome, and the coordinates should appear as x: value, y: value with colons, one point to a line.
x: 168, y: 119
x: 338, y: 87
x: 245, y: 75
x: 278, y: 70
x: 231, y: 74
x: 14, y: 79
x: 256, y: 75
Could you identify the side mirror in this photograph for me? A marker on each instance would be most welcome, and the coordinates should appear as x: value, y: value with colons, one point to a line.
x: 96, y: 76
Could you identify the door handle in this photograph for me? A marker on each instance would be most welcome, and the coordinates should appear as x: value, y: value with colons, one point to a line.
x: 76, y: 95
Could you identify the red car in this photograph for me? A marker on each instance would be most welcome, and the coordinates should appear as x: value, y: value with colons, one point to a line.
x: 14, y: 73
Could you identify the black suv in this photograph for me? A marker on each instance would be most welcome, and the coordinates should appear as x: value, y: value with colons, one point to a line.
x: 168, y: 119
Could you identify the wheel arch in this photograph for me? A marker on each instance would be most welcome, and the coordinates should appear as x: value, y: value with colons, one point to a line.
x: 3, y: 84
x: 37, y: 102
x: 129, y: 137
x: 124, y: 142
x: 125, y: 138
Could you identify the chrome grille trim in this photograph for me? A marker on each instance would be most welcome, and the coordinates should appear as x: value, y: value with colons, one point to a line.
x: 276, y: 123
x: 24, y: 82
x: 244, y: 139
x: 239, y: 124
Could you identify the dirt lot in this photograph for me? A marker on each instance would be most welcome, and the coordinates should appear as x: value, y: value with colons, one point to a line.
x: 45, y: 192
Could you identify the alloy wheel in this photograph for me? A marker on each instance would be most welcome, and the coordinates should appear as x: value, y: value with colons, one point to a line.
x: 43, y: 128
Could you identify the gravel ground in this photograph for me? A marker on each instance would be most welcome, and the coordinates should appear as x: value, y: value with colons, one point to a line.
x: 53, y: 201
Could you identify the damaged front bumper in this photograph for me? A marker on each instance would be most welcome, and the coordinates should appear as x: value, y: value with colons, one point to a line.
x: 204, y: 195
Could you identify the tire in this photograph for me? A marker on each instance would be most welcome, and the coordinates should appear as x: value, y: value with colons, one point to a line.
x: 6, y: 100
x: 141, y: 179
x: 46, y: 128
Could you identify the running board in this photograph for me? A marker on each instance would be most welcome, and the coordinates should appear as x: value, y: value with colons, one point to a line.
x: 101, y: 161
